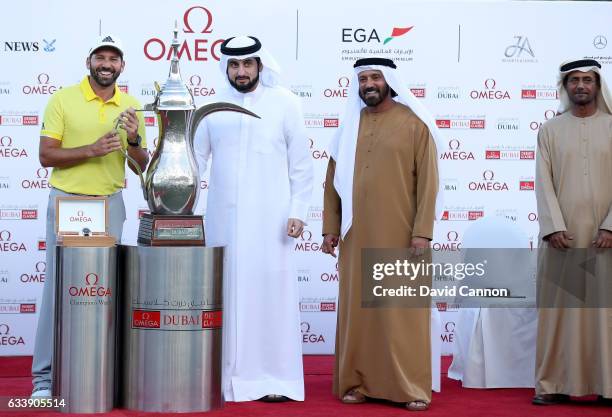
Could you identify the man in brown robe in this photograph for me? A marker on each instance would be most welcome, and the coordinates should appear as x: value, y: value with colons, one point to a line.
x: 574, y: 197
x: 381, y: 186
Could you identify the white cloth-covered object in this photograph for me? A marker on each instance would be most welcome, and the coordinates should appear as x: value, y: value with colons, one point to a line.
x: 495, y: 347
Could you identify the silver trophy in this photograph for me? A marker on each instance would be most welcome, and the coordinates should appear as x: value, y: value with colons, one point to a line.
x: 172, y: 181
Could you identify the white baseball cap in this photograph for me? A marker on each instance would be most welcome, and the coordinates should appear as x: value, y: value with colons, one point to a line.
x: 107, y: 40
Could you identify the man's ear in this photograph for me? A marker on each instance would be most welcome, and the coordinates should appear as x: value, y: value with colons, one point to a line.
x: 88, y: 62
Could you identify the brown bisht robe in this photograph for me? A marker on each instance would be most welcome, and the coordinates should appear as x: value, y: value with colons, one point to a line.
x: 384, y: 352
x: 574, y: 194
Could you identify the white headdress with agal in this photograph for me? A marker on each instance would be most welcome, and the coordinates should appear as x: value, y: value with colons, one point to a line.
x: 344, y: 143
x: 243, y: 47
x: 604, y: 99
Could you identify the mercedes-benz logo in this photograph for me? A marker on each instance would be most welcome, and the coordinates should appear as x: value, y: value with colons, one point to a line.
x: 600, y: 42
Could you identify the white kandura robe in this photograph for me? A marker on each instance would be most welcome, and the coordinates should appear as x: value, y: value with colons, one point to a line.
x: 261, y: 175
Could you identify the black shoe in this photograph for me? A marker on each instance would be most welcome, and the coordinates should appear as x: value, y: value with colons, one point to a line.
x: 604, y: 401
x: 550, y: 399
x: 274, y: 398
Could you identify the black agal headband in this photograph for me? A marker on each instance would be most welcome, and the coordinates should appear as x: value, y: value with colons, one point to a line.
x: 244, y: 50
x: 374, y: 61
x: 579, y: 64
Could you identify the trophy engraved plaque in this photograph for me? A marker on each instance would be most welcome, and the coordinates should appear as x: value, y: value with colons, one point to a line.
x: 172, y: 181
x: 166, y: 230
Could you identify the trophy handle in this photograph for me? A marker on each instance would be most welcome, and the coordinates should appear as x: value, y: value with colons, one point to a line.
x: 207, y: 109
x: 137, y: 167
x: 133, y: 161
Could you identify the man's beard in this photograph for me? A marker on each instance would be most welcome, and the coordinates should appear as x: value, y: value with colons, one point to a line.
x: 374, y: 101
x: 104, y: 82
x: 245, y: 88
x: 583, y: 100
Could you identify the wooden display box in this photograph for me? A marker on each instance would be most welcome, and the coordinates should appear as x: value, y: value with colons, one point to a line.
x: 82, y: 221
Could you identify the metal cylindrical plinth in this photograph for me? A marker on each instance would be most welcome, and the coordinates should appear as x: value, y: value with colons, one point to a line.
x: 171, y: 313
x: 85, y: 316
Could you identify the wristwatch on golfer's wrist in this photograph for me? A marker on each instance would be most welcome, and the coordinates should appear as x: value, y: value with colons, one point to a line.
x: 136, y: 143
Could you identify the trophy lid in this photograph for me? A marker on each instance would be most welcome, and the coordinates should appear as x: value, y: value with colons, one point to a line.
x: 174, y: 94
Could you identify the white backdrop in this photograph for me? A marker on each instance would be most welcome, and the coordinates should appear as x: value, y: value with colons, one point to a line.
x: 485, y: 70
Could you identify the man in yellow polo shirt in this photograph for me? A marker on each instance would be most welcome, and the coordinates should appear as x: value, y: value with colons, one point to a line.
x: 78, y: 139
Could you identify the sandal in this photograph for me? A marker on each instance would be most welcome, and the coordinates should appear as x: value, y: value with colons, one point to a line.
x: 550, y: 399
x: 353, y: 397
x: 417, y: 405
x: 274, y: 398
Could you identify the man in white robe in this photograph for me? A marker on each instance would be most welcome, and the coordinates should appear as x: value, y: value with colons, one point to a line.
x: 259, y: 192
x: 574, y: 196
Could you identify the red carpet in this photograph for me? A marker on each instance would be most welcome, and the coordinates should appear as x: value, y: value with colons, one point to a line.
x: 453, y: 401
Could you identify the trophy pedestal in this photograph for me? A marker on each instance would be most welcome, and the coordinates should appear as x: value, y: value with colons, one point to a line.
x: 170, y: 327
x: 85, y: 323
x: 170, y: 230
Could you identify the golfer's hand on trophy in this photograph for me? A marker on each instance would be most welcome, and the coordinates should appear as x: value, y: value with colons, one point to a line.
x: 129, y: 122
x: 107, y: 143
